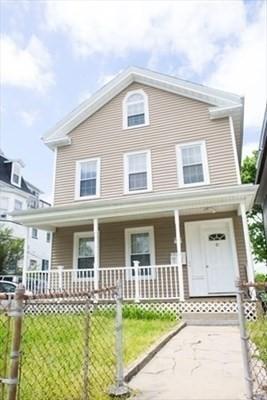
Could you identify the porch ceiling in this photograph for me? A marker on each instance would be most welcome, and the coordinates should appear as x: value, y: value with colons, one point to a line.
x: 189, y: 201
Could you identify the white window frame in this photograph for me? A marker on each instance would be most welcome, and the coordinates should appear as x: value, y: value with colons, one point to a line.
x: 76, y: 237
x: 126, y: 172
x: 78, y: 181
x: 12, y: 173
x: 125, y: 109
x: 204, y: 158
x: 127, y: 240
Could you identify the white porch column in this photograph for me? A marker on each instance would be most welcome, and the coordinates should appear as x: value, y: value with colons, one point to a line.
x: 250, y: 264
x: 25, y: 257
x: 179, y: 254
x: 96, y: 254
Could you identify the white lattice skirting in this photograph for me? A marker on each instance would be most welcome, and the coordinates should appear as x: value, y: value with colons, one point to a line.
x: 176, y: 307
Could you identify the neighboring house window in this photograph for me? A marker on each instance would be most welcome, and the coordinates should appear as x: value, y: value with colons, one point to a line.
x: 48, y: 237
x: 137, y: 172
x: 34, y: 233
x: 18, y: 205
x: 33, y: 265
x: 139, y: 246
x: 45, y: 265
x: 16, y: 174
x: 3, y: 205
x: 135, y: 109
x: 33, y: 203
x: 192, y: 164
x: 83, y: 254
x: 88, y: 178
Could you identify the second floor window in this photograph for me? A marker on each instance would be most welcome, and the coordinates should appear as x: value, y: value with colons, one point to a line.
x: 137, y: 172
x: 192, y: 164
x: 88, y: 178
x: 135, y: 109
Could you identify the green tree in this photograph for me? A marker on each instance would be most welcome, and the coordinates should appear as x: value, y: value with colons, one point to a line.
x: 11, y: 249
x: 255, y: 220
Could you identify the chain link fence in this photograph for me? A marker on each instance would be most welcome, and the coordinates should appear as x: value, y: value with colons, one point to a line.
x: 62, y: 346
x: 254, y: 340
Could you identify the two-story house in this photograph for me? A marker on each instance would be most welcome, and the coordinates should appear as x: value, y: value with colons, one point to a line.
x: 147, y: 190
x: 17, y: 194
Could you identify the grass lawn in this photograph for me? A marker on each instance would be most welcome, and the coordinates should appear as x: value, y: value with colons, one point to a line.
x: 53, y: 353
x: 258, y: 334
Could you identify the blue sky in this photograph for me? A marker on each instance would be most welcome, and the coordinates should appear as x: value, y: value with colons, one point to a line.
x: 54, y: 54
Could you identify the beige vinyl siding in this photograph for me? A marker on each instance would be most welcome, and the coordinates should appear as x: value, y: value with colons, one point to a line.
x: 112, y: 245
x: 173, y: 119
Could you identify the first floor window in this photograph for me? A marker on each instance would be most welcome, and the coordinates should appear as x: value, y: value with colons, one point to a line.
x: 33, y: 265
x: 192, y: 164
x: 137, y: 172
x: 140, y: 247
x: 88, y: 178
x: 84, y: 254
x: 34, y: 233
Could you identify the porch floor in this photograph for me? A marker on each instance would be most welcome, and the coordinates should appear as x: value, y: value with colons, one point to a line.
x: 200, y: 363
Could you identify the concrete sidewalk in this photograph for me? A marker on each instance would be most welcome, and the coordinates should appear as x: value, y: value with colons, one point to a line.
x: 200, y: 363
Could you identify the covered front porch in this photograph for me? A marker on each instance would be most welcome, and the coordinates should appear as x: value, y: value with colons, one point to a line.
x: 158, y: 251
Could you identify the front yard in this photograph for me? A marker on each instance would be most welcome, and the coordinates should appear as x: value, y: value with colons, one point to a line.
x: 53, y: 352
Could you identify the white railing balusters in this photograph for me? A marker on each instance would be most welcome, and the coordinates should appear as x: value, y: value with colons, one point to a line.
x: 138, y: 282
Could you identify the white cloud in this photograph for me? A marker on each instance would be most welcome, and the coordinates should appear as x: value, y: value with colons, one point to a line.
x: 226, y: 37
x: 192, y: 29
x: 241, y: 68
x: 105, y: 78
x: 84, y: 96
x: 25, y: 66
x: 29, y: 117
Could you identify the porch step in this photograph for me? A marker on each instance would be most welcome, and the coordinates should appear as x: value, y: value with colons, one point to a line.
x: 205, y: 318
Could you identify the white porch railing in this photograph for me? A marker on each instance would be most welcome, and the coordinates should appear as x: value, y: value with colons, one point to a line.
x: 157, y: 282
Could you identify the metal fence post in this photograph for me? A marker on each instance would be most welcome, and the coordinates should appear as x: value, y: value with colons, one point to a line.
x: 136, y: 281
x: 17, y: 313
x: 244, y: 342
x: 119, y: 389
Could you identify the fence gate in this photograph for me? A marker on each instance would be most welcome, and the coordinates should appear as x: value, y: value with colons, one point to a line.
x: 70, y: 349
x: 254, y: 341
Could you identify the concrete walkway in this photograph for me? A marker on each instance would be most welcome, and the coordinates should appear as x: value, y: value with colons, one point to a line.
x: 200, y: 363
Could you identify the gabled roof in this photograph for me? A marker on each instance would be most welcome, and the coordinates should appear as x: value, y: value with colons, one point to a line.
x: 222, y: 103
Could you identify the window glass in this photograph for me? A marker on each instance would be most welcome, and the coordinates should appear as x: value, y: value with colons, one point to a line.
x: 34, y: 233
x: 45, y: 265
x: 135, y: 109
x: 140, y: 248
x: 192, y: 164
x: 88, y: 176
x: 16, y: 173
x: 137, y: 170
x: 86, y: 253
x: 48, y: 237
x: 18, y: 205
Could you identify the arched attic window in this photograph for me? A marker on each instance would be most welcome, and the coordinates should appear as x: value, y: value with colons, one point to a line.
x: 135, y: 109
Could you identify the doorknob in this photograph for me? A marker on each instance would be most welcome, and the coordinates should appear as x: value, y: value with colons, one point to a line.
x: 207, y: 266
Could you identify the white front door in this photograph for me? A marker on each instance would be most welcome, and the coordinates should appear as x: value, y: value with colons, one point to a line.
x: 211, y: 257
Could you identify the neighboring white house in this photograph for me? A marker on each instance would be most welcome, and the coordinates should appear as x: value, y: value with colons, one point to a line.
x: 18, y: 194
